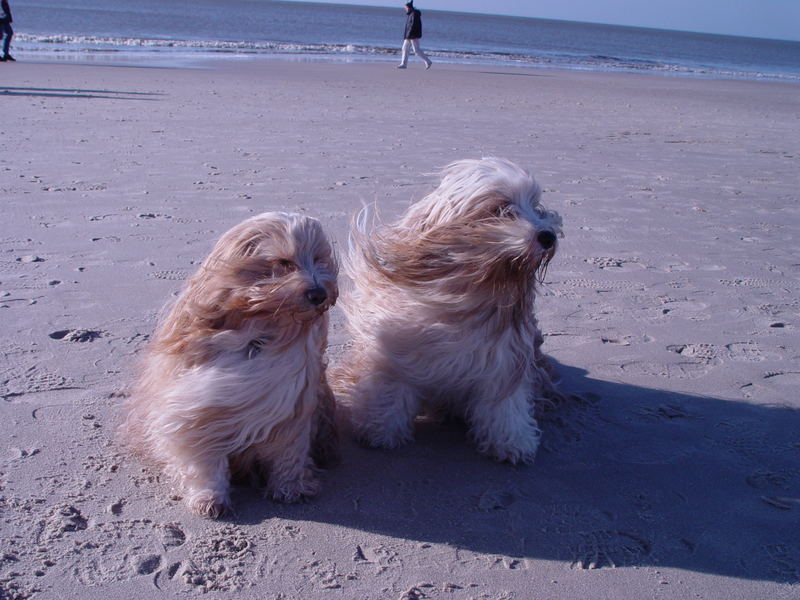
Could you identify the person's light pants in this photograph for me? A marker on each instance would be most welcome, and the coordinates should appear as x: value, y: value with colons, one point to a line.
x: 417, y: 50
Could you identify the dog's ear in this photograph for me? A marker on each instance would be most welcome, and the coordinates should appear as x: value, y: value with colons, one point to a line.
x: 247, y: 245
x: 247, y: 248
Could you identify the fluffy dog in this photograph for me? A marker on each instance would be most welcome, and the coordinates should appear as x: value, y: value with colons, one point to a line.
x: 234, y: 379
x: 442, y: 312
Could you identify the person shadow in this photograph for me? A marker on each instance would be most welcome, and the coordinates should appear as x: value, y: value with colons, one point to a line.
x: 626, y: 476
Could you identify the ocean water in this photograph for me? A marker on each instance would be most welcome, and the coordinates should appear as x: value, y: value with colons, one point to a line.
x: 188, y: 30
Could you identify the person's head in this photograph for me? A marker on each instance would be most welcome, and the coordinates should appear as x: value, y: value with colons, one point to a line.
x: 409, y: 7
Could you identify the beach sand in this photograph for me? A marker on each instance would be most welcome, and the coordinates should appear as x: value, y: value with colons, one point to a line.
x: 671, y: 311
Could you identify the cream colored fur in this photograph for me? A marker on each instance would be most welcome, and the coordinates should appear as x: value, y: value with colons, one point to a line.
x: 442, y: 312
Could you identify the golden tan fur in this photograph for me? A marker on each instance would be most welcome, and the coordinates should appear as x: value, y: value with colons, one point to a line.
x: 233, y: 382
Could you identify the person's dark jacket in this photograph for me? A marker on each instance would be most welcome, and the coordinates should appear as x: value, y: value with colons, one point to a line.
x: 6, y: 17
x: 413, y: 25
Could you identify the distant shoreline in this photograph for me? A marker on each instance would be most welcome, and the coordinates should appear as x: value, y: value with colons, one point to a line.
x: 166, y: 56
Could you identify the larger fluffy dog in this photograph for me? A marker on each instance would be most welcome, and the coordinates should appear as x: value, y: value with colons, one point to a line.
x: 442, y: 311
x: 234, y: 379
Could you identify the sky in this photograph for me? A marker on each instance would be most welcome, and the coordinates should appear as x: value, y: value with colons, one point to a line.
x: 776, y: 19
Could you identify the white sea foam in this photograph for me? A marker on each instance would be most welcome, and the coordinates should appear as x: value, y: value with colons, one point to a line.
x: 541, y: 55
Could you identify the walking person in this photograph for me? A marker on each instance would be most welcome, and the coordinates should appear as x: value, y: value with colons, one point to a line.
x: 411, y: 37
x: 6, y: 31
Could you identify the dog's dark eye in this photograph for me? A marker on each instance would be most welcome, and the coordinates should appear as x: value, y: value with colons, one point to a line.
x: 504, y: 211
x: 279, y: 268
x: 286, y: 266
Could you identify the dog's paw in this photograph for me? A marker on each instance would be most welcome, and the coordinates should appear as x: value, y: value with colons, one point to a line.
x: 382, y: 439
x: 206, y: 503
x: 520, y: 451
x: 290, y: 492
x: 387, y: 435
x: 512, y: 455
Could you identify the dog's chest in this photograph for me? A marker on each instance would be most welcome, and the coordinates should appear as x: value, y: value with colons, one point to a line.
x: 266, y: 381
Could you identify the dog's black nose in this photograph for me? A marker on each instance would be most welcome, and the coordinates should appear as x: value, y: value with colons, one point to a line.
x: 546, y: 239
x: 316, y: 295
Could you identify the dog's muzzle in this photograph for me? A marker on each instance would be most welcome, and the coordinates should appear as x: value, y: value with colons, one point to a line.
x: 316, y: 295
x: 546, y: 239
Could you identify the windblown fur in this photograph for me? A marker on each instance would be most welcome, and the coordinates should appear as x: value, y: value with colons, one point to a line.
x: 442, y: 312
x: 233, y: 381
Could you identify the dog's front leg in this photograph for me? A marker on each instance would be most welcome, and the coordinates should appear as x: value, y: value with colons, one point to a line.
x: 206, y: 485
x: 287, y: 455
x: 504, y: 428
x: 325, y: 435
x: 383, y: 411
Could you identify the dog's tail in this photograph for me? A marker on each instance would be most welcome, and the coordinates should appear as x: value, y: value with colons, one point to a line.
x: 359, y: 240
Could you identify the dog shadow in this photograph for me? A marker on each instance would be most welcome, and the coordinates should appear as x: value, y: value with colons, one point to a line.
x: 626, y: 476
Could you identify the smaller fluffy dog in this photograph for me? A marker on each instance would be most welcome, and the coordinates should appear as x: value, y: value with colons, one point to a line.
x: 442, y: 312
x: 234, y: 379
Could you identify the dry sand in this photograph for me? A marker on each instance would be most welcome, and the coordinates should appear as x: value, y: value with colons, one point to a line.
x: 672, y: 311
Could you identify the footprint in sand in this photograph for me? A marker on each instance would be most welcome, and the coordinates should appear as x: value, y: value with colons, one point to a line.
x: 665, y: 413
x: 784, y: 561
x: 702, y: 353
x: 766, y: 480
x: 754, y: 282
x: 605, y: 262
x: 492, y: 500
x: 681, y: 307
x: 744, y: 351
x: 76, y: 335
x: 30, y: 258
x: 120, y: 550
x: 220, y: 561
x: 323, y: 574
x: 62, y: 519
x: 645, y: 453
x: 170, y: 275
x: 788, y: 379
x: 33, y: 380
x: 682, y: 370
x: 610, y: 548
x: 742, y: 436
x: 602, y: 286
